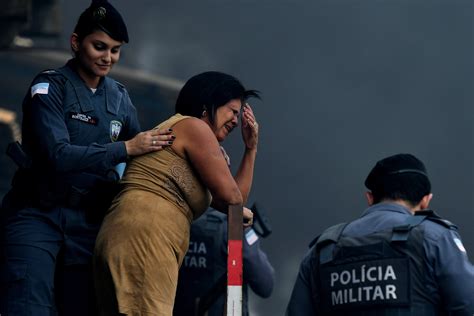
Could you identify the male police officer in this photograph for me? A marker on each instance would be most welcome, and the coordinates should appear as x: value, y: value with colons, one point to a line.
x: 388, y: 262
x: 205, y: 264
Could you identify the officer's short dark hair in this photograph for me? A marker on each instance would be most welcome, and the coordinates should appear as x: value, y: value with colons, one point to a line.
x: 208, y: 91
x: 399, y: 177
x: 101, y: 15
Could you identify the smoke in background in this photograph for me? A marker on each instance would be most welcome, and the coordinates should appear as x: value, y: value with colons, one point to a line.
x: 344, y: 83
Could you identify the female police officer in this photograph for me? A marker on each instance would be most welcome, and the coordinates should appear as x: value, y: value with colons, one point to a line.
x: 77, y: 125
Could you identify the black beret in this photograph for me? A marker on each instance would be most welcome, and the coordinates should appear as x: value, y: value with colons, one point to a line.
x: 102, y: 15
x: 389, y: 167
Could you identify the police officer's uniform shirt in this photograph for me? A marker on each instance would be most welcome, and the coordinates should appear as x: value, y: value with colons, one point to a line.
x: 73, y: 137
x: 451, y: 275
x: 68, y: 128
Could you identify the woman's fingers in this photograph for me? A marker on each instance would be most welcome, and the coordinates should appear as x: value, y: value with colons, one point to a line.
x: 161, y: 138
x: 249, y: 117
x: 248, y: 217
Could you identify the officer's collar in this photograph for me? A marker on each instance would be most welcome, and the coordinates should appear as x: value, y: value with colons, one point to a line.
x: 71, y: 72
x: 113, y: 95
x: 388, y: 207
x: 83, y: 92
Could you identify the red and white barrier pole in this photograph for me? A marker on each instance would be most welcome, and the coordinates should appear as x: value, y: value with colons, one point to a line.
x: 234, y: 260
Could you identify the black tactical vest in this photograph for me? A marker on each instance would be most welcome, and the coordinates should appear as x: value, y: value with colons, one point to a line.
x: 203, y: 264
x: 381, y: 274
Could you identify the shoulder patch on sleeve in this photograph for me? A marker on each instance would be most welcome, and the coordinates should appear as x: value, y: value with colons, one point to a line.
x: 251, y: 236
x: 459, y: 244
x: 40, y: 88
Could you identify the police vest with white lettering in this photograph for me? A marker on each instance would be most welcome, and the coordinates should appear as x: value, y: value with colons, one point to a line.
x: 382, y: 273
x: 204, y: 262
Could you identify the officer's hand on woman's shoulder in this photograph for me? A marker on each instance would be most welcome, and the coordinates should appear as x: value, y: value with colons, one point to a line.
x: 148, y: 141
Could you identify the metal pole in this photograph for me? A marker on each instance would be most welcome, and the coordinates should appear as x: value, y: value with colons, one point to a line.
x: 234, y: 260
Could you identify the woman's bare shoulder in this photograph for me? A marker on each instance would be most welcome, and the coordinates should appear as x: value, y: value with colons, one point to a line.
x: 192, y: 125
x: 192, y: 134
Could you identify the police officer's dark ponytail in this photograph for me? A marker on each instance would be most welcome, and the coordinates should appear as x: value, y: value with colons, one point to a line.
x: 101, y: 15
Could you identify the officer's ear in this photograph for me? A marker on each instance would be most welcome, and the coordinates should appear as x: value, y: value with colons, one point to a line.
x: 74, y: 42
x: 425, y: 201
x: 370, y: 198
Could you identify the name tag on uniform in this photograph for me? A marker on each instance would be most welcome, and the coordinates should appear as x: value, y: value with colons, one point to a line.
x: 83, y: 118
x: 366, y: 284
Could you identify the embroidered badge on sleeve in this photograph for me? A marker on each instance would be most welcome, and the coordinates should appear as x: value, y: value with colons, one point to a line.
x: 251, y: 237
x: 115, y: 128
x: 458, y: 243
x: 40, y: 88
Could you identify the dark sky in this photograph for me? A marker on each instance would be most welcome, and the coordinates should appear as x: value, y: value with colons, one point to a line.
x: 344, y: 84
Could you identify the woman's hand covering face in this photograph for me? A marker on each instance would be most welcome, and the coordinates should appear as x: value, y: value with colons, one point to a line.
x: 249, y: 127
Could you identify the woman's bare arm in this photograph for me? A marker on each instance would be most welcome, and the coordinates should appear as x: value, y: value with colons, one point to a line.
x: 196, y: 141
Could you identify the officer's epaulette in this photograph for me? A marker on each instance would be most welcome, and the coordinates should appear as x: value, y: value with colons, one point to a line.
x: 120, y: 85
x: 432, y: 216
x: 331, y: 234
x: 50, y: 72
x: 314, y: 241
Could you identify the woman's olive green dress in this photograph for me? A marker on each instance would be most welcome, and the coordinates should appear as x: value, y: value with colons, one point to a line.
x: 145, y: 235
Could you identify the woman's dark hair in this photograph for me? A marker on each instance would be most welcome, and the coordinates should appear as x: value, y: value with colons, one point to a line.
x: 101, y: 15
x: 208, y: 91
